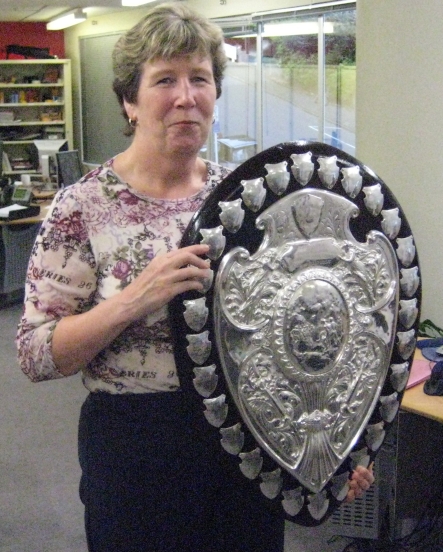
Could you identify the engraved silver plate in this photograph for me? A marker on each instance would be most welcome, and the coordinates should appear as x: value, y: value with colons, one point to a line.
x: 277, y: 177
x: 199, y: 347
x: 318, y: 505
x: 205, y: 380
x: 374, y: 198
x: 313, y: 320
x: 254, y: 193
x: 292, y: 501
x: 196, y: 313
x: 352, y: 180
x: 307, y: 307
x: 214, y: 238
x: 302, y: 167
x: 328, y: 171
x: 251, y: 463
x: 406, y: 250
x: 391, y: 223
x: 232, y: 439
x: 399, y: 376
x: 231, y: 215
x: 216, y: 410
x: 375, y: 435
x: 409, y: 281
x: 271, y: 483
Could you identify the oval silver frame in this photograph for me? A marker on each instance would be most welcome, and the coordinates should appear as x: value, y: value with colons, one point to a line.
x: 301, y: 501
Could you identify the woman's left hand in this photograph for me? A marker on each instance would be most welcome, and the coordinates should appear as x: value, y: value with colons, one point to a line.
x: 361, y: 479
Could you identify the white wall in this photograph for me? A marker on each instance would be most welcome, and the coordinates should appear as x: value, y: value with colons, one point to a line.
x: 400, y: 120
x: 399, y: 107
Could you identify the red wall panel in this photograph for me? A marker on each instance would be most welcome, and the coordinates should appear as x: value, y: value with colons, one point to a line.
x: 31, y: 34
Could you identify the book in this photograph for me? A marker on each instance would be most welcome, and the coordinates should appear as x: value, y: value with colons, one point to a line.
x: 6, y: 164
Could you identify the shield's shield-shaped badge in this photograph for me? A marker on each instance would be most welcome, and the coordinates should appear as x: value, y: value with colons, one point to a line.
x: 313, y: 322
x: 214, y: 238
x: 307, y: 211
x: 196, y: 313
x: 199, y: 347
x: 352, y: 180
x: 302, y: 167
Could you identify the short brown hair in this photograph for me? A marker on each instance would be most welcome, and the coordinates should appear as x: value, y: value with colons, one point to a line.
x: 166, y: 31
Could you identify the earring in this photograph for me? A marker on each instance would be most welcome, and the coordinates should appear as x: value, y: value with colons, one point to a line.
x: 132, y: 122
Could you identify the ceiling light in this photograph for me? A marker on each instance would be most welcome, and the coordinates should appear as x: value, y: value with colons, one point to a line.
x: 136, y: 2
x: 329, y: 4
x: 296, y: 28
x: 67, y: 20
x: 291, y: 29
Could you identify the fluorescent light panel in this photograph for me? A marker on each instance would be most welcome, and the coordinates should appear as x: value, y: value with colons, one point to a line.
x: 295, y: 28
x: 291, y: 29
x: 230, y: 51
x: 67, y: 20
x: 136, y: 2
x: 304, y: 8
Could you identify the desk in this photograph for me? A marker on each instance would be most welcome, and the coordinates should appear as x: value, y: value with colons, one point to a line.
x: 416, y: 401
x: 417, y: 479
x: 407, y: 475
x: 16, y: 240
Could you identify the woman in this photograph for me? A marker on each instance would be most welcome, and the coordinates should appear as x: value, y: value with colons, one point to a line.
x: 101, y: 274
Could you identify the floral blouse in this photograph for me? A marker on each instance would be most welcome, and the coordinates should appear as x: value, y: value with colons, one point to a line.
x: 98, y: 235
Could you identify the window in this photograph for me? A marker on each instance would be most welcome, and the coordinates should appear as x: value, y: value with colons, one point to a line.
x: 291, y: 77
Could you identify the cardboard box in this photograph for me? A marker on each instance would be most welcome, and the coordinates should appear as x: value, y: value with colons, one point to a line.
x: 6, y: 116
x: 236, y: 149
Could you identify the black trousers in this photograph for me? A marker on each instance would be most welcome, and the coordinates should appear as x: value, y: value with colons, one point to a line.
x: 155, y: 479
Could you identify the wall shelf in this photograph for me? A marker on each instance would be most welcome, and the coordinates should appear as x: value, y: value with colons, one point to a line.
x: 31, y: 104
x: 30, y: 84
x: 35, y: 100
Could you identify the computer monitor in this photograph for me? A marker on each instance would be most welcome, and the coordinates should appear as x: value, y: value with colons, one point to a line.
x: 47, y: 159
x: 70, y: 168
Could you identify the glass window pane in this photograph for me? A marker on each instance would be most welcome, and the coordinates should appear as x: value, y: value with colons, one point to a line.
x: 340, y: 80
x: 290, y: 80
x: 237, y: 106
x: 292, y: 104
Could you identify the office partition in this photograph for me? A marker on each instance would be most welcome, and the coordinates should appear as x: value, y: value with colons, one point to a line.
x: 102, y: 122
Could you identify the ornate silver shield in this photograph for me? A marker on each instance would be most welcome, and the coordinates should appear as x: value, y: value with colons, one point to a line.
x: 312, y: 329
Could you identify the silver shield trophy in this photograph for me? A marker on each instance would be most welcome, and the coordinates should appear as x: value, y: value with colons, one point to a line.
x: 314, y: 312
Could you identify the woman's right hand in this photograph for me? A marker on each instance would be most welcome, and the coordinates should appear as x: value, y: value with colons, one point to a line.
x: 77, y: 339
x: 165, y: 277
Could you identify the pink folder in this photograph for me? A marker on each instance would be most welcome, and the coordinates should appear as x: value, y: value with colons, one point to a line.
x: 420, y: 371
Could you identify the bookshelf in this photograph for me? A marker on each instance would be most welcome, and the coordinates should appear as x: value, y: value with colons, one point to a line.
x: 35, y: 104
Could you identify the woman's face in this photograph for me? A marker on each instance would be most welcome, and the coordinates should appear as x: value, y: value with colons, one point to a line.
x: 175, y: 104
